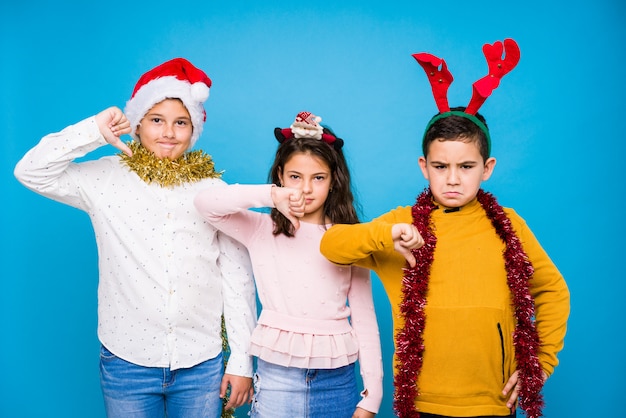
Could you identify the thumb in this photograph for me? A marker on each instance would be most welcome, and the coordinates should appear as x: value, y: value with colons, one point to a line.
x: 121, y: 145
x: 410, y: 258
x: 294, y: 221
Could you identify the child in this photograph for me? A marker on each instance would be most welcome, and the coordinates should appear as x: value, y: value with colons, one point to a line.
x: 480, y: 312
x: 305, y: 343
x: 166, y: 276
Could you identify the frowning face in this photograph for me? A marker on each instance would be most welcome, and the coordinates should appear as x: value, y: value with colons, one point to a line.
x: 455, y: 170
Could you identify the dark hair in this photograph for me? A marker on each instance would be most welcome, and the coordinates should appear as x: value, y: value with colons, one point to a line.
x: 457, y: 128
x: 339, y: 206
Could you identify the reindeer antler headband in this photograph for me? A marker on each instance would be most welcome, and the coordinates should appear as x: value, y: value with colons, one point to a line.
x: 440, y: 79
x: 307, y: 125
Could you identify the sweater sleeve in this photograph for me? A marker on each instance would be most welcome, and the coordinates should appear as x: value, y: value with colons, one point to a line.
x: 239, y: 296
x: 552, y: 299
x: 226, y: 208
x: 363, y: 319
x: 358, y: 243
x: 47, y: 169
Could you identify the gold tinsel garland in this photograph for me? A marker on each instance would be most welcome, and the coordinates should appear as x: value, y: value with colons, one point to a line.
x: 226, y: 413
x: 188, y: 168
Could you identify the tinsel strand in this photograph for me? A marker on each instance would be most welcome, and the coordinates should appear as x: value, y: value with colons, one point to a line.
x: 190, y: 167
x: 525, y: 338
x: 409, y: 339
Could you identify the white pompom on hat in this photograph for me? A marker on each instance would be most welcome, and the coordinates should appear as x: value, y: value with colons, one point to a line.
x: 174, y: 79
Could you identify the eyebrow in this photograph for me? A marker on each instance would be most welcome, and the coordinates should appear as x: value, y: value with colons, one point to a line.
x: 313, y: 174
x: 160, y: 115
x: 468, y: 162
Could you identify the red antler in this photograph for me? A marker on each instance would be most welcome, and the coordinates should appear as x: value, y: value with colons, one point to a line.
x: 498, y: 68
x: 439, y: 78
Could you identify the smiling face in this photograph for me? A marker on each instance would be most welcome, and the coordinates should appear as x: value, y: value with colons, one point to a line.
x: 455, y: 170
x: 166, y: 129
x: 311, y: 175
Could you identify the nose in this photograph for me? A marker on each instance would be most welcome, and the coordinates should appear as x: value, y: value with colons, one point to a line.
x: 307, y: 186
x: 453, y: 176
x: 168, y: 130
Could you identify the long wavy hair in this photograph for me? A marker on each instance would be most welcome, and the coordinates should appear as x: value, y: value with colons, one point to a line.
x: 340, y: 205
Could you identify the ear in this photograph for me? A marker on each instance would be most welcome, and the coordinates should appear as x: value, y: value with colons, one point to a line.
x: 422, y: 163
x: 490, y: 164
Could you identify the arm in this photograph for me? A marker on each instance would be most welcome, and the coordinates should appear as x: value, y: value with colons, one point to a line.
x: 239, y: 299
x: 552, y: 301
x: 360, y: 244
x: 551, y: 295
x: 226, y: 207
x: 47, y: 168
x: 363, y: 319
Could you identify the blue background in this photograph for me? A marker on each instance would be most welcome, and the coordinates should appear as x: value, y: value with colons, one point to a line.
x: 556, y: 123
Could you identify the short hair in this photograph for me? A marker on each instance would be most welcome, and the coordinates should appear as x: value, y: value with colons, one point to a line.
x: 457, y: 128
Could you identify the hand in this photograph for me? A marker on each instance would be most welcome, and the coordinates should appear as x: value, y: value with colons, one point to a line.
x: 290, y: 202
x: 113, y: 123
x: 362, y: 413
x: 406, y: 237
x: 241, y: 390
x: 512, y: 388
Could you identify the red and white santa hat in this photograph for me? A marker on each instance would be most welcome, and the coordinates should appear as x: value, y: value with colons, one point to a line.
x: 174, y: 79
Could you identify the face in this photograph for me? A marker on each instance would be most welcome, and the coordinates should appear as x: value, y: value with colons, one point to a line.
x: 166, y: 129
x: 311, y: 175
x: 455, y: 170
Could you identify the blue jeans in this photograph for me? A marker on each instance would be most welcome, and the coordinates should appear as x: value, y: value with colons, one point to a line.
x: 288, y: 392
x: 153, y: 392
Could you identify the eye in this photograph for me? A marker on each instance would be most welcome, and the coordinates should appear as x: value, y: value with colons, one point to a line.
x: 156, y: 120
x: 320, y: 178
x: 182, y: 123
x: 294, y: 176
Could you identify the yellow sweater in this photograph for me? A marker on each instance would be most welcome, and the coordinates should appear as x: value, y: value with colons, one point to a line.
x: 469, y: 353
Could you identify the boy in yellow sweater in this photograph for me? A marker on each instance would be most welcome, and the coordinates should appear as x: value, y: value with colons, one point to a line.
x: 480, y: 310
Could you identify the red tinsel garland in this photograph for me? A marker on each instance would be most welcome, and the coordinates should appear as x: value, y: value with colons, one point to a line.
x: 409, y: 339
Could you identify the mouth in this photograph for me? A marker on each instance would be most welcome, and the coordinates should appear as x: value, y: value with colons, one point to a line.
x: 167, y: 145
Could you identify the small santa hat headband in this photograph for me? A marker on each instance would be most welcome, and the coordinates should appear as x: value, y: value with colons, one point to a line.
x: 307, y: 125
x: 174, y: 79
x: 440, y: 79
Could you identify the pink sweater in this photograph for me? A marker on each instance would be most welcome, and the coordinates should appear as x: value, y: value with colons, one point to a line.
x: 304, y: 319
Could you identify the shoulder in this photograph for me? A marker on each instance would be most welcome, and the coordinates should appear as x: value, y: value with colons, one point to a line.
x: 515, y: 218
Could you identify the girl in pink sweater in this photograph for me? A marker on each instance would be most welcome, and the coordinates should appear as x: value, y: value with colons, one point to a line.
x: 317, y: 318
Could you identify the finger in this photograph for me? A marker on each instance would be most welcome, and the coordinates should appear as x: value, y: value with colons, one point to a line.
x: 297, y: 210
x: 223, y: 388
x: 250, y: 394
x: 513, y: 397
x: 236, y: 399
x: 510, y: 384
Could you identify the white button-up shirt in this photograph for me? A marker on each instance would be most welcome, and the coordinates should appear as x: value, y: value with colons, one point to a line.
x: 166, y: 276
